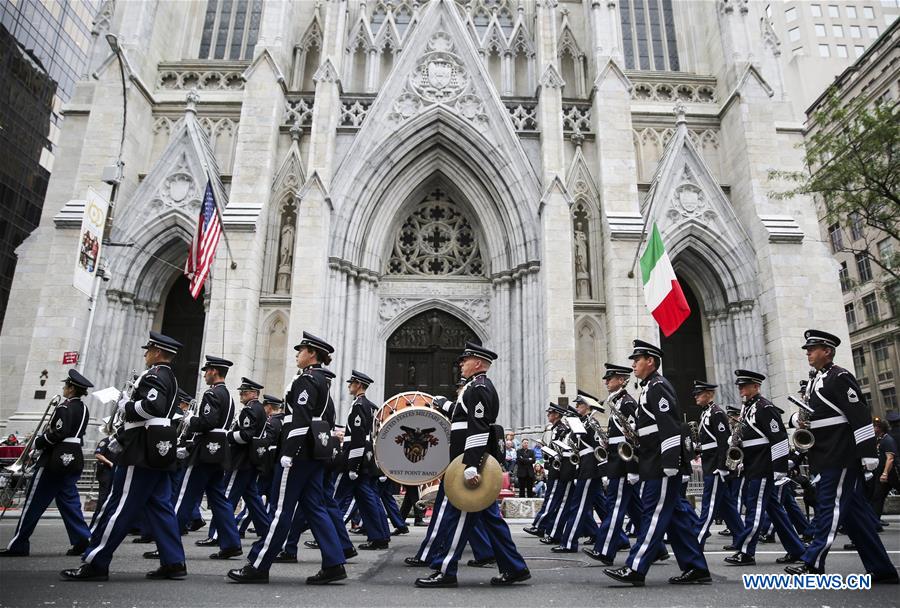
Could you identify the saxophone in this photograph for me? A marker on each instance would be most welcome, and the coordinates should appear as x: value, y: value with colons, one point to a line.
x: 626, y: 448
x: 735, y: 454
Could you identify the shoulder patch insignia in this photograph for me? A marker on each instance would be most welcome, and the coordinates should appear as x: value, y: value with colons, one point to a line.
x: 479, y: 410
x: 59, y: 424
x: 773, y: 425
x: 852, y: 396
x: 721, y: 427
x: 152, y: 394
x: 206, y: 410
x: 302, y: 398
x: 247, y: 422
x: 664, y: 405
x: 357, y: 421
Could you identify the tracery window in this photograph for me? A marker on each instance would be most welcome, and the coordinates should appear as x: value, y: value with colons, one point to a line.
x: 230, y: 29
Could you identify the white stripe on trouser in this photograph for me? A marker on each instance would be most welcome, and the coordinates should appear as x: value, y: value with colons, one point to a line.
x: 562, y: 507
x: 215, y: 533
x: 740, y: 496
x: 275, y: 518
x: 337, y: 484
x: 546, y: 505
x: 349, y: 512
x: 183, y: 488
x: 456, y: 535
x: 836, y: 516
x: 31, y: 491
x: 129, y: 474
x: 577, y: 522
x: 99, y: 514
x: 434, y: 530
x: 712, y: 509
x: 651, y: 529
x: 610, y: 532
x: 757, y: 515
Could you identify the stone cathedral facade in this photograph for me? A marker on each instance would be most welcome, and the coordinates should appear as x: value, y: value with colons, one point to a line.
x: 399, y: 176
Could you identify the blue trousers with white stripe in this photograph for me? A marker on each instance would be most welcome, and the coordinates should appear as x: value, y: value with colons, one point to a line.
x: 552, y: 486
x: 579, y: 515
x: 300, y: 525
x: 621, y: 495
x: 762, y: 496
x: 364, y: 494
x: 716, y: 505
x: 461, y: 526
x: 299, y: 489
x: 661, y: 515
x: 44, y: 488
x: 136, y: 491
x: 241, y: 483
x: 389, y: 503
x: 437, y: 535
x: 841, y: 501
x: 794, y: 512
x: 210, y: 478
x: 555, y: 501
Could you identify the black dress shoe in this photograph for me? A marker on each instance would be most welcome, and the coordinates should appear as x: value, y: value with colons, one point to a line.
x: 415, y: 562
x: 419, y: 523
x: 206, y: 542
x: 359, y: 530
x: 787, y: 558
x: 375, y: 545
x: 563, y: 550
x: 740, y: 559
x: 511, y: 578
x: 399, y: 531
x: 196, y: 524
x: 481, y: 563
x: 436, y: 580
x: 174, y: 572
x: 151, y: 554
x: 285, y: 558
x: 532, y: 530
x: 885, y: 578
x: 625, y: 575
x: 11, y: 553
x: 724, y: 532
x: 311, y: 544
x: 590, y: 540
x: 807, y: 538
x: 803, y: 569
x: 227, y: 553
x: 691, y: 577
x: 662, y: 556
x: 849, y: 547
x: 547, y: 540
x: 350, y: 553
x: 626, y: 548
x: 730, y: 548
x: 327, y: 575
x: 597, y: 556
x: 86, y: 572
x: 249, y: 574
x: 142, y: 540
x: 767, y: 538
x: 78, y: 548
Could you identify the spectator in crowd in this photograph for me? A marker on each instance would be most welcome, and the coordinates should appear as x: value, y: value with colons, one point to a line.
x: 885, y: 476
x: 510, y: 457
x: 515, y: 441
x: 538, y: 452
x: 540, y: 480
x: 11, y: 440
x: 525, y: 470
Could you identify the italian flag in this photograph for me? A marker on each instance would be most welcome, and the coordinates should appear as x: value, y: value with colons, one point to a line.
x: 661, y: 289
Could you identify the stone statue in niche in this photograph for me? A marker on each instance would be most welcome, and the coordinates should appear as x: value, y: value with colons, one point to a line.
x: 582, y: 261
x: 285, y: 250
x: 411, y: 374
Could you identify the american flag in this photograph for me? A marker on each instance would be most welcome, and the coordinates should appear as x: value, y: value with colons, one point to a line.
x: 203, y: 248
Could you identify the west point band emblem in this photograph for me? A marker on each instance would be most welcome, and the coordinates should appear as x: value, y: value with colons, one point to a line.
x: 67, y: 459
x: 260, y: 450
x: 163, y: 447
x: 416, y: 442
x: 213, y: 447
x: 323, y: 438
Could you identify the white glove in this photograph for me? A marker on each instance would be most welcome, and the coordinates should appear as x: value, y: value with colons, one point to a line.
x: 740, y: 469
x: 470, y: 473
x: 114, y: 447
x: 722, y: 473
x: 286, y: 462
x: 35, y: 454
x: 353, y: 475
x: 633, y: 478
x: 870, y: 464
x: 779, y: 477
x: 685, y: 478
x: 121, y: 404
x: 670, y: 472
x: 181, y: 453
x: 868, y: 475
x: 383, y: 478
x: 605, y: 481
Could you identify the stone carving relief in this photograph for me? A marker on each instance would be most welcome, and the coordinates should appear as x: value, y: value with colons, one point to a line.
x: 286, y: 247
x: 430, y: 329
x: 178, y: 190
x: 582, y: 254
x: 689, y: 201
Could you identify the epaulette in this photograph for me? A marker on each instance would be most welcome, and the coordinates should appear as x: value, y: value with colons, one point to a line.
x: 479, y: 380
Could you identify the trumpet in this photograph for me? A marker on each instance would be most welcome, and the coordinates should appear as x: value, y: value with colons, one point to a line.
x: 570, y: 443
x: 802, y: 440
x: 735, y: 454
x: 626, y: 448
x: 596, y: 427
x: 183, y: 425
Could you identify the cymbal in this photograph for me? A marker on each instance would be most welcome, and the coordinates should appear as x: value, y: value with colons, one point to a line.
x: 469, y: 499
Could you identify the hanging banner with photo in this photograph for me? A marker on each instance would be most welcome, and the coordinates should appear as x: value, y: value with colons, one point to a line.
x: 90, y: 241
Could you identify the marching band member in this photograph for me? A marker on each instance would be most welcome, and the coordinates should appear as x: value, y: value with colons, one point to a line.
x: 58, y: 464
x: 476, y: 409
x: 553, y: 497
x: 141, y: 485
x: 843, y: 451
x: 659, y: 454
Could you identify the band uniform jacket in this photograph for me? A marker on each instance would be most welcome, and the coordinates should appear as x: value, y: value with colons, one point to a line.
x: 714, y: 435
x: 251, y: 423
x: 659, y: 428
x: 841, y: 420
x: 525, y: 463
x: 213, y: 419
x: 307, y: 398
x: 763, y: 439
x: 67, y: 424
x: 476, y: 409
x: 588, y: 466
x: 626, y: 404
x: 358, y: 449
x: 153, y: 397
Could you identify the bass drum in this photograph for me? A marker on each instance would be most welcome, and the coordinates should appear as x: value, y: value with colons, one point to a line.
x: 411, y: 440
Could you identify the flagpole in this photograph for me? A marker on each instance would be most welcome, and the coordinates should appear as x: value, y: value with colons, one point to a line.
x: 637, y: 251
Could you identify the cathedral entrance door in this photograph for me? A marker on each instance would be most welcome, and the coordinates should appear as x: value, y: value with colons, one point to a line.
x: 421, y: 354
x: 683, y: 360
x: 183, y: 320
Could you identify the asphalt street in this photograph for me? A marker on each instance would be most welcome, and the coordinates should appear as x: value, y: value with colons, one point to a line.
x: 380, y: 578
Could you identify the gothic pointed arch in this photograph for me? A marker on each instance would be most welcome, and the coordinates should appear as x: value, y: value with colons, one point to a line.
x: 587, y: 228
x: 281, y: 226
x: 307, y: 54
x: 270, y: 365
x: 572, y: 60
